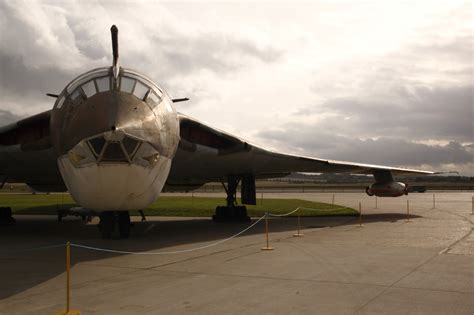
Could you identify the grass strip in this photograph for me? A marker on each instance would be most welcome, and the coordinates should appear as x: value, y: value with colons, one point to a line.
x: 181, y: 206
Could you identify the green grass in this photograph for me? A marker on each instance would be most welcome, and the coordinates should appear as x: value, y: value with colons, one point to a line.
x: 174, y: 206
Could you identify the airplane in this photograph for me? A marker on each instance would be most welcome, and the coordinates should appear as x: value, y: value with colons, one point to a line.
x: 114, y: 140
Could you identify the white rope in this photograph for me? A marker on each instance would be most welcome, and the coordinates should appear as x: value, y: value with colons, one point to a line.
x: 332, y: 209
x: 169, y: 252
x: 303, y: 208
x: 285, y: 214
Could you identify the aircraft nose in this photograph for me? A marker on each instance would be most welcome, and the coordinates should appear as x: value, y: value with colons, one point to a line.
x: 107, y: 112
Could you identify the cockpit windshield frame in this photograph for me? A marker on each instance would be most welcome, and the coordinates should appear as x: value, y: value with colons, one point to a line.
x: 143, y: 87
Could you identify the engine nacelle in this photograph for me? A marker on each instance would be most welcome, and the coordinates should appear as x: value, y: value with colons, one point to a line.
x: 389, y: 189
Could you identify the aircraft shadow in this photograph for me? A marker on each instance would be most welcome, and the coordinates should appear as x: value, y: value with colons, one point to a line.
x: 25, y: 269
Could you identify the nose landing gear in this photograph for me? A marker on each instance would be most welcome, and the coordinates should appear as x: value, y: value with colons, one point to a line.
x: 108, y: 220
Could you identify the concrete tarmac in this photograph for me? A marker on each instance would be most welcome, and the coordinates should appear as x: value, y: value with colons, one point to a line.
x: 389, y: 266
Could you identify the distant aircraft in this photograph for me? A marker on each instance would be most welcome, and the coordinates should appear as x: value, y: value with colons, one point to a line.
x: 114, y: 140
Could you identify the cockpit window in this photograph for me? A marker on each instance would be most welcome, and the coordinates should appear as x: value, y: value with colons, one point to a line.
x: 113, y: 152
x: 130, y: 145
x: 102, y: 80
x: 60, y: 103
x: 103, y: 84
x: 97, y: 144
x: 127, y: 84
x: 140, y: 90
x: 76, y: 97
x: 89, y: 88
x: 153, y: 99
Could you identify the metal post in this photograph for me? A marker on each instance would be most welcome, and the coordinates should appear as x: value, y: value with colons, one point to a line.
x: 261, y: 197
x: 333, y: 199
x: 434, y: 202
x: 360, y: 214
x: 299, y: 228
x: 408, y: 211
x: 472, y: 212
x: 68, y: 277
x: 266, y: 233
x: 68, y: 310
x: 376, y: 205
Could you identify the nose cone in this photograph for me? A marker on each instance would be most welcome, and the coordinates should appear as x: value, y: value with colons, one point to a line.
x: 108, y: 111
x: 110, y: 154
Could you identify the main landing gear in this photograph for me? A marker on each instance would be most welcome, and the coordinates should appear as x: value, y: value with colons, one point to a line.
x: 231, y: 212
x: 108, y: 221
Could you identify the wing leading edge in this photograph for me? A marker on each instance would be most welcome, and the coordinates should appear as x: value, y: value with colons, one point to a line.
x: 207, y: 154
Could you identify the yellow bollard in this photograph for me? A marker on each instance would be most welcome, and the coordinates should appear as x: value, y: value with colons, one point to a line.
x: 299, y: 228
x: 266, y: 233
x: 408, y: 212
x: 360, y: 215
x: 68, y: 284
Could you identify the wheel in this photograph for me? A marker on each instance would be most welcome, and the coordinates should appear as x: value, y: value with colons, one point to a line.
x: 60, y: 215
x: 6, y: 217
x: 367, y: 191
x: 107, y: 224
x: 124, y: 224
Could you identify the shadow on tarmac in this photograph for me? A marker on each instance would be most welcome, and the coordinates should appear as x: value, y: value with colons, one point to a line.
x: 22, y: 270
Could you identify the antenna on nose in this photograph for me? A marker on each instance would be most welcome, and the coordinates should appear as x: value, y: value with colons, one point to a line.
x: 115, y: 50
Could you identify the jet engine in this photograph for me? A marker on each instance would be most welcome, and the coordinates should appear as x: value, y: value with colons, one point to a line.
x: 388, y: 189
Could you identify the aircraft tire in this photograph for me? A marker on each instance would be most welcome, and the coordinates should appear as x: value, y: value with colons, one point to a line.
x: 6, y: 217
x: 107, y: 223
x: 124, y: 224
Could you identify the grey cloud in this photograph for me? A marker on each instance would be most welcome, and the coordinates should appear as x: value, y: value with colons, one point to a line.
x: 7, y: 117
x: 219, y: 53
x: 418, y: 113
x: 28, y: 69
x: 458, y: 48
x: 19, y: 80
x: 85, y: 43
x: 389, y: 151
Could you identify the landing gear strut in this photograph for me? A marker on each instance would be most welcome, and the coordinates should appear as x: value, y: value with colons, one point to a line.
x: 108, y: 220
x: 231, y: 212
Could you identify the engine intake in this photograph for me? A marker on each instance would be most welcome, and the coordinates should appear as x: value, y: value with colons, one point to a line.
x: 388, y: 189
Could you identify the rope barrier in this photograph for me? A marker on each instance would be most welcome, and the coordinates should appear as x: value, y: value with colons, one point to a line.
x: 285, y: 214
x: 303, y: 208
x: 169, y: 252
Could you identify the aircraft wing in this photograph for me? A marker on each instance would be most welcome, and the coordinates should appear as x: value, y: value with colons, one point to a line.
x: 26, y: 154
x: 208, y: 154
x: 204, y: 154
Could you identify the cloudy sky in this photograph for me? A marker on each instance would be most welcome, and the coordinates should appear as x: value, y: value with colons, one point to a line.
x: 384, y: 82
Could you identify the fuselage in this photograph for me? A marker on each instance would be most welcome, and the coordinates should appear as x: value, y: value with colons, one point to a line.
x: 115, y: 135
